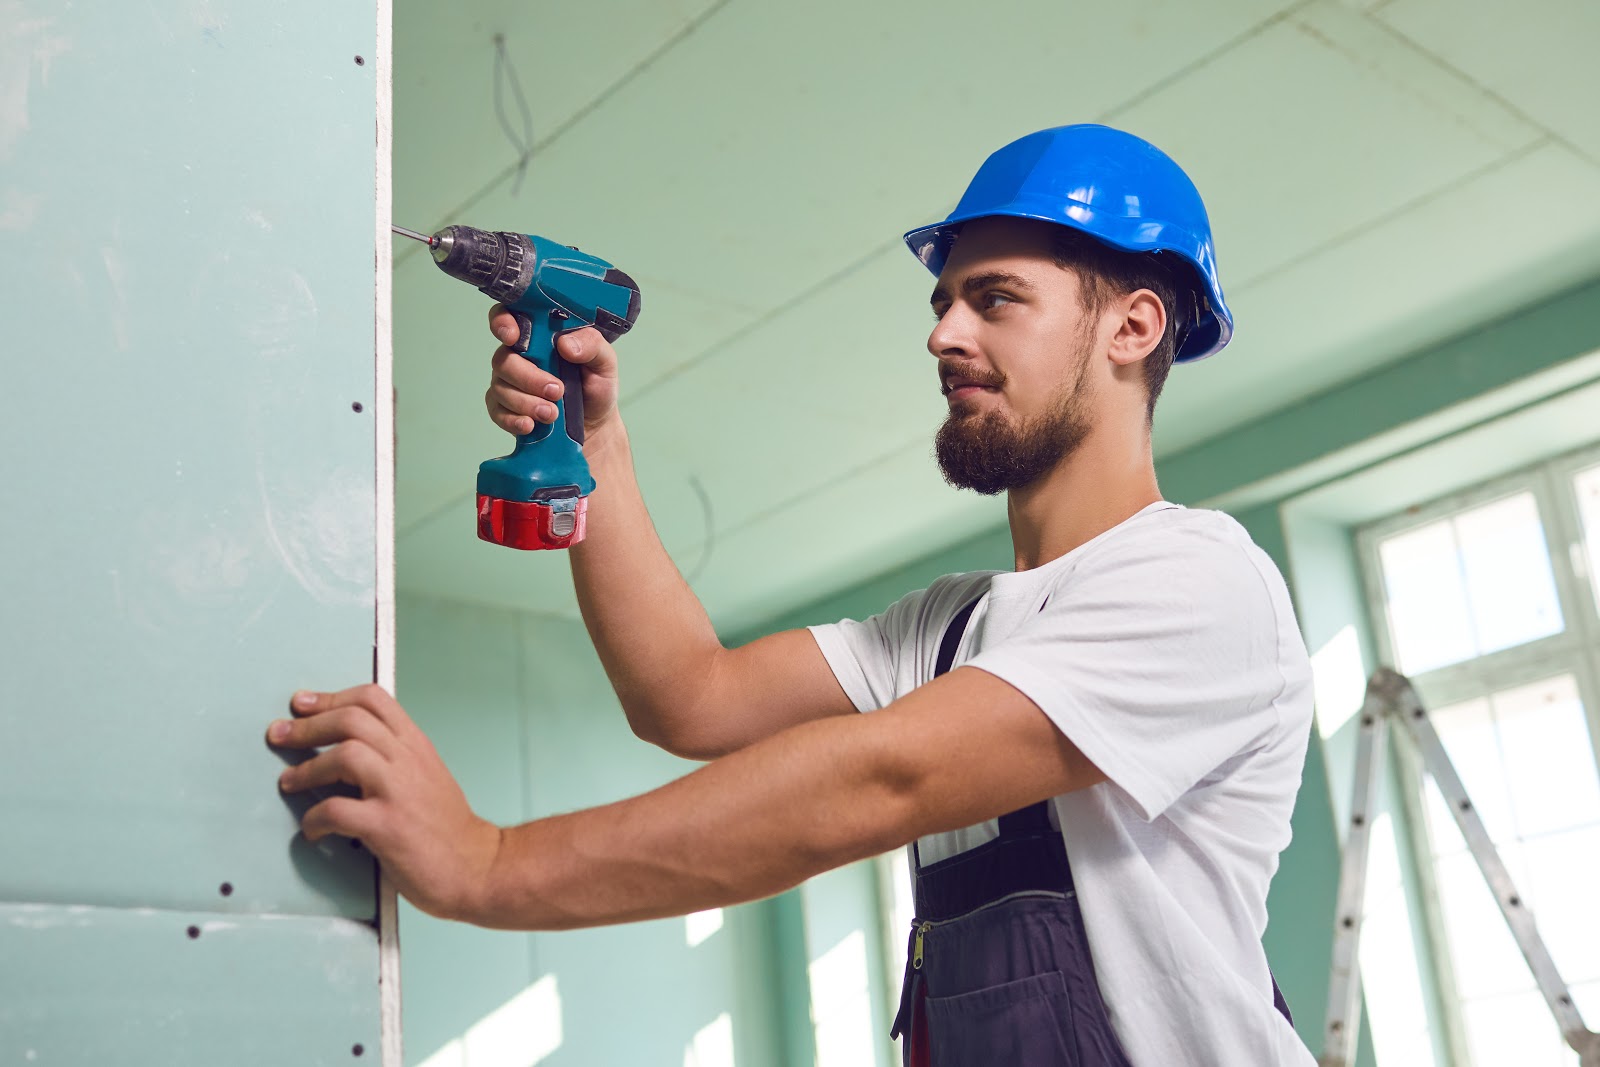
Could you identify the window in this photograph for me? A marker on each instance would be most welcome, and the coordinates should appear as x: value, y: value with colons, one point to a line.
x: 1487, y: 602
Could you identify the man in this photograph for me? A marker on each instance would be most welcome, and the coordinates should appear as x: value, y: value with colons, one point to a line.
x: 1093, y: 757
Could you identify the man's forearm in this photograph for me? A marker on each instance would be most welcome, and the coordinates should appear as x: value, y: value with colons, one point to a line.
x: 653, y: 636
x: 750, y: 825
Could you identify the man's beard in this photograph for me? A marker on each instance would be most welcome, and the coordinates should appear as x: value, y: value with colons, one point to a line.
x: 988, y: 454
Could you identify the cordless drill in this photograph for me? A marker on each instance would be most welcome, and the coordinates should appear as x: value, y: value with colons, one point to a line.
x: 538, y: 496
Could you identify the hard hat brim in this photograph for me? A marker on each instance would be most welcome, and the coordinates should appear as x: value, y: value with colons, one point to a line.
x: 1213, y: 325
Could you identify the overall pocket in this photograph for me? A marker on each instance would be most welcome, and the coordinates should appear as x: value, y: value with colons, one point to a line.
x: 1027, y: 1021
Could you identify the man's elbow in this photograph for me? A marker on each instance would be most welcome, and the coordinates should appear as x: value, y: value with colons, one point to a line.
x: 881, y: 803
x: 676, y: 739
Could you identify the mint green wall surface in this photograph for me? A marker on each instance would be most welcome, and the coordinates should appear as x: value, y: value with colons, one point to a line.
x: 521, y: 710
x: 187, y: 201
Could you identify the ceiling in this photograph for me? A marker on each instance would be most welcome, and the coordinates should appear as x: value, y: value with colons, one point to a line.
x: 1379, y: 176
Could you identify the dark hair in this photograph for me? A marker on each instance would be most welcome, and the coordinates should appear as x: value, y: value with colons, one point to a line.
x: 1106, y: 273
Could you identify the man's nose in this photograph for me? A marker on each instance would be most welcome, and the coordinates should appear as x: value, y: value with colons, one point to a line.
x: 951, y: 336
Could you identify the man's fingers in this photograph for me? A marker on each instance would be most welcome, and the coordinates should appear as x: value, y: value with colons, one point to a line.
x: 340, y: 815
x: 348, y: 723
x: 519, y: 392
x: 521, y: 374
x: 587, y: 346
x: 374, y: 698
x: 509, y: 421
x: 503, y: 324
x: 351, y: 762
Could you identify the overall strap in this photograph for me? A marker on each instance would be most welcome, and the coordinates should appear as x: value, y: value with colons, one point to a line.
x: 952, y: 639
x: 1033, y: 819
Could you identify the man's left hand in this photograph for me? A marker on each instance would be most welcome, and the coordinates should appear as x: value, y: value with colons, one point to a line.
x: 411, y: 813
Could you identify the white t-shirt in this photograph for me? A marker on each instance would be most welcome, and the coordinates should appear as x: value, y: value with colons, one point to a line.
x: 1165, y: 649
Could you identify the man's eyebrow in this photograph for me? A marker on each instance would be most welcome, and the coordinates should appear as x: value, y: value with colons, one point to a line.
x: 977, y: 282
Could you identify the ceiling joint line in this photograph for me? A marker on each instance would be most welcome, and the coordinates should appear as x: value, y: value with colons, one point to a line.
x: 755, y: 324
x: 1412, y: 43
x: 582, y: 113
x: 1216, y: 53
x: 1455, y: 184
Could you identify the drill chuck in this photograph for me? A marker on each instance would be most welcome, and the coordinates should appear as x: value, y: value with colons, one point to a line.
x: 500, y: 265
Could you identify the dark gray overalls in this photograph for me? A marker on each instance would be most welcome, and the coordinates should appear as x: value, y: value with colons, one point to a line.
x: 998, y: 968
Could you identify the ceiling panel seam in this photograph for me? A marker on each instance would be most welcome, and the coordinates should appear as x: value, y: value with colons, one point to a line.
x: 582, y: 113
x: 1461, y: 182
x: 1410, y: 42
x: 1205, y: 60
x: 756, y: 324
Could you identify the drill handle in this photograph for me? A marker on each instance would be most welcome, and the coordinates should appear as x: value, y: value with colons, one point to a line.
x: 569, y: 408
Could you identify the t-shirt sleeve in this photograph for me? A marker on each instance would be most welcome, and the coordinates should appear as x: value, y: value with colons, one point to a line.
x: 864, y: 654
x: 1158, y: 658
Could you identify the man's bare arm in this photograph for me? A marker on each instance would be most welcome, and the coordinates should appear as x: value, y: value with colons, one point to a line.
x: 964, y: 748
x: 680, y: 688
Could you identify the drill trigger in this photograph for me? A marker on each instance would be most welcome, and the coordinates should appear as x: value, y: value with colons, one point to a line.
x: 524, y: 333
x: 572, y: 396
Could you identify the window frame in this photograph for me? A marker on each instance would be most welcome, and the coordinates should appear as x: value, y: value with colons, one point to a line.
x: 1574, y: 650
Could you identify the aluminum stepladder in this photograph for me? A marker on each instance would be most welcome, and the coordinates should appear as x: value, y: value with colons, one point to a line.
x: 1391, y: 697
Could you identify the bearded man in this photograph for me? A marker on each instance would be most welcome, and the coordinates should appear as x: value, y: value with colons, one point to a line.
x: 1092, y: 758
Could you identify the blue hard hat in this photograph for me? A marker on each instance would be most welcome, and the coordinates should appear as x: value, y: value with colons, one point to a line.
x: 1111, y: 185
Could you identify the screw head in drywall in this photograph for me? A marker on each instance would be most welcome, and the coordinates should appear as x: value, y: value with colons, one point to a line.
x: 356, y: 407
x: 226, y: 889
x: 194, y: 932
x: 360, y: 61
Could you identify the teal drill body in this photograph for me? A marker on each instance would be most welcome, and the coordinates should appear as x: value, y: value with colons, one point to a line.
x: 537, y: 495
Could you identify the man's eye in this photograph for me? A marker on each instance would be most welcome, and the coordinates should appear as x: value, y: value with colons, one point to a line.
x: 990, y: 301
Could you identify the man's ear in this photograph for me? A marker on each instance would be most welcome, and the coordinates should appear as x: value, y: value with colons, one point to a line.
x: 1144, y: 322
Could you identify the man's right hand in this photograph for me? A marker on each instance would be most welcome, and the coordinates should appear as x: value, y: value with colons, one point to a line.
x: 520, y: 393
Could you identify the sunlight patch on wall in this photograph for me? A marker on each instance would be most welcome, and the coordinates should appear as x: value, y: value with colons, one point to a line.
x: 520, y: 1033
x: 840, y: 1011
x: 1339, y: 681
x: 712, y: 1045
x: 699, y: 925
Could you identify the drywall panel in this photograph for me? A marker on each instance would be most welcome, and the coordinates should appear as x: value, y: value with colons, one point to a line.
x: 188, y: 195
x: 191, y: 532
x: 87, y: 985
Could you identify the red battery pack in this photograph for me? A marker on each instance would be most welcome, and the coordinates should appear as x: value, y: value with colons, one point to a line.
x: 532, y: 524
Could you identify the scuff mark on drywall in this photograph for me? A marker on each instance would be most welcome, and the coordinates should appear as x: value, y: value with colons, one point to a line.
x: 18, y: 209
x: 28, y: 44
x: 286, y: 312
x: 323, y: 533
x: 200, y: 562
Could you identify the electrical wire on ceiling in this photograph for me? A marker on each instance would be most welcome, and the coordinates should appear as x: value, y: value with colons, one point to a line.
x: 505, y: 74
